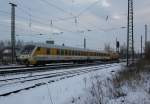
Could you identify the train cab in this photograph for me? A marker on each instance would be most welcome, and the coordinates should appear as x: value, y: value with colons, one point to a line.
x: 26, y: 54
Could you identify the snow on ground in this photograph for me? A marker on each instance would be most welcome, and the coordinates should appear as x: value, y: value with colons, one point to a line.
x: 59, y: 92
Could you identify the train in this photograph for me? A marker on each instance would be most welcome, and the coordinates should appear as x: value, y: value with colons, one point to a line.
x: 42, y: 54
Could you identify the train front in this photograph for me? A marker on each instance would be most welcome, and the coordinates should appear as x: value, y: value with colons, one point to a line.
x: 26, y: 55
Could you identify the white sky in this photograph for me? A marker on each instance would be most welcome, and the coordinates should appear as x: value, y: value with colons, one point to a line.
x: 34, y: 17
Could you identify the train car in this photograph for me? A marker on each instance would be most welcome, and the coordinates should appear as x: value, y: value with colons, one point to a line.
x: 114, y: 56
x: 41, y: 54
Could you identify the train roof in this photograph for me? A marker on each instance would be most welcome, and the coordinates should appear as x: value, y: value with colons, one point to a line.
x: 63, y: 47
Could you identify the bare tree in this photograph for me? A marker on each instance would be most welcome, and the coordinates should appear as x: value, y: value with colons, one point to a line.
x: 2, y: 44
x: 123, y: 51
x: 147, y: 50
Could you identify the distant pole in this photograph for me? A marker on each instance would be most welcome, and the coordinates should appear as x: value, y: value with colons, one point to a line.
x: 141, y: 46
x: 84, y: 43
x: 13, y: 41
x: 145, y: 35
x: 116, y: 44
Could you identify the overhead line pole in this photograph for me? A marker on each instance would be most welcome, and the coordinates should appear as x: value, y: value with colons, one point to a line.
x: 84, y: 43
x: 141, y: 46
x: 145, y: 35
x: 130, y: 33
x: 13, y: 41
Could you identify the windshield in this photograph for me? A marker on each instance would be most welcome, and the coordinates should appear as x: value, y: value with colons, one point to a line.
x: 28, y: 49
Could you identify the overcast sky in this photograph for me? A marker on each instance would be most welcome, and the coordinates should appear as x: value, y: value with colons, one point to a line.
x: 69, y: 21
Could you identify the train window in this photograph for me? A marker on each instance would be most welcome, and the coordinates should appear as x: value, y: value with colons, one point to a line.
x: 58, y: 51
x: 79, y: 53
x: 86, y: 53
x: 76, y: 53
x: 82, y: 54
x: 97, y: 54
x: 72, y: 53
x: 92, y: 53
x: 38, y: 49
x: 48, y: 51
x: 27, y: 49
x: 66, y: 52
x: 62, y: 52
x: 69, y: 52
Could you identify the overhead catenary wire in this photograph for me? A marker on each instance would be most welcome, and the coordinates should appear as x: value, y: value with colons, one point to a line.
x: 55, y: 6
x: 5, y: 12
x: 64, y: 11
x: 28, y: 12
x: 89, y: 7
x: 34, y: 20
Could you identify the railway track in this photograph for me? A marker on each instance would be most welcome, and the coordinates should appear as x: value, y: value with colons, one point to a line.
x: 23, y: 69
x: 19, y: 67
x: 42, y: 79
x: 24, y: 66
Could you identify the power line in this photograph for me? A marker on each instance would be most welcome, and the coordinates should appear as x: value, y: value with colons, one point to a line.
x: 62, y: 19
x: 57, y: 19
x: 53, y: 5
x: 89, y: 7
x: 5, y: 12
x: 40, y: 22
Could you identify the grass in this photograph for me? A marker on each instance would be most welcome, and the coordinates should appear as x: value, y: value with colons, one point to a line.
x: 132, y: 73
x: 102, y: 91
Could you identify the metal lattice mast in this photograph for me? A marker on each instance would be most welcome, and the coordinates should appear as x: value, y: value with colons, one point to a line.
x: 130, y: 34
x: 13, y: 41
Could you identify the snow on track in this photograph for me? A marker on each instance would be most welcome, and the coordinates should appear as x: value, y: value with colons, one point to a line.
x: 60, y: 91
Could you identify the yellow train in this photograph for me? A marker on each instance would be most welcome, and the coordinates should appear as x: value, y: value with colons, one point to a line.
x: 41, y: 54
